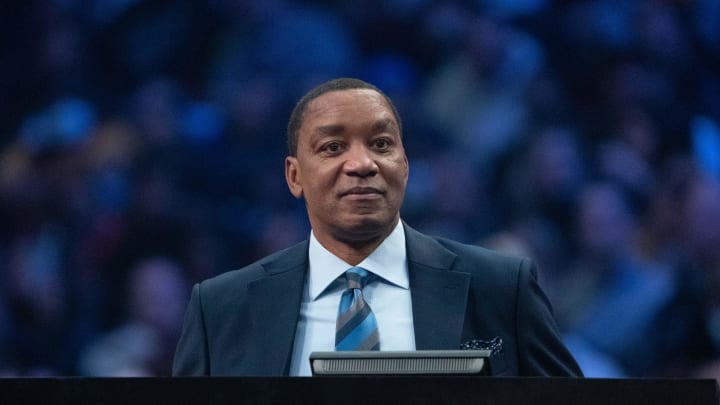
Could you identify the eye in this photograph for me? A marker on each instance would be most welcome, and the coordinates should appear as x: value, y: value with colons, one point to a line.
x: 381, y: 144
x: 332, y: 147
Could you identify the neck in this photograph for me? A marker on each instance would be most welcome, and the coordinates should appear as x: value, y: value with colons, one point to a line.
x: 352, y: 250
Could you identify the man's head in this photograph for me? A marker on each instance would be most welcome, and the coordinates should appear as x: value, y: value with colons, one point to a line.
x: 348, y: 162
x: 297, y: 115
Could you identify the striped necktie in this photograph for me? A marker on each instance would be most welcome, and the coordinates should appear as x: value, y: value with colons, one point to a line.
x: 356, y: 327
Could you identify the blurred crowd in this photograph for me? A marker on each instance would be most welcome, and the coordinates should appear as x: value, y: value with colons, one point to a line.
x: 142, y: 146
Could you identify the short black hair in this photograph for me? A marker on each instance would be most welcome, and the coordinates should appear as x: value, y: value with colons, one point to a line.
x: 343, y: 83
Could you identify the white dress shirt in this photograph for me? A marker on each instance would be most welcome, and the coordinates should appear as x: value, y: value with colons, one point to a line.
x: 389, y: 298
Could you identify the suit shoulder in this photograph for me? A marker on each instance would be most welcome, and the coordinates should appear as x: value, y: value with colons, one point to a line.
x: 490, y: 267
x: 492, y: 272
x: 279, y: 261
x: 481, y: 255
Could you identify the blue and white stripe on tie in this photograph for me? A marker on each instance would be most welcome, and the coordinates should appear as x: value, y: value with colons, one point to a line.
x: 356, y: 326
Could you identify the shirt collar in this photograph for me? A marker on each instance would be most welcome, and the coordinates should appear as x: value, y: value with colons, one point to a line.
x: 389, y: 261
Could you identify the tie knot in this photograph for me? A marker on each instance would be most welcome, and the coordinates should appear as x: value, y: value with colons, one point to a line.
x: 357, y: 277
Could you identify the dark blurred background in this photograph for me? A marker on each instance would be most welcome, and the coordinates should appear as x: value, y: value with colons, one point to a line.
x: 142, y: 146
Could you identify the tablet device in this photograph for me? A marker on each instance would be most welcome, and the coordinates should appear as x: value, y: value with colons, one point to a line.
x: 419, y: 362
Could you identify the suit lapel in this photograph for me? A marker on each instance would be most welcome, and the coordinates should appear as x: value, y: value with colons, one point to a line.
x: 276, y: 299
x: 439, y: 301
x: 439, y: 295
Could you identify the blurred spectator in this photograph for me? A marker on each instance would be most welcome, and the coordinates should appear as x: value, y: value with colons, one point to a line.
x: 477, y: 95
x: 145, y: 343
x: 542, y: 180
x: 611, y: 296
x: 37, y: 298
x: 702, y: 232
x: 622, y: 305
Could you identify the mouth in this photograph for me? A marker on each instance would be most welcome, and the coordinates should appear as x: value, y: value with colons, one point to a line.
x: 361, y: 192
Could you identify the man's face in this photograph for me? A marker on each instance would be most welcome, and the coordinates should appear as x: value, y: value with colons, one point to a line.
x: 350, y: 167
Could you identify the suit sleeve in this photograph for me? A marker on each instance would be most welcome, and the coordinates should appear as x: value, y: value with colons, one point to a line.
x: 191, y: 354
x: 540, y: 348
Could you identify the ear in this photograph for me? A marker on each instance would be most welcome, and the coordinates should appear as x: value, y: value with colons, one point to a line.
x: 407, y: 168
x: 292, y: 176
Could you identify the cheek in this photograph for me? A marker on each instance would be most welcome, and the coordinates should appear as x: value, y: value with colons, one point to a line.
x: 401, y: 171
x: 317, y: 184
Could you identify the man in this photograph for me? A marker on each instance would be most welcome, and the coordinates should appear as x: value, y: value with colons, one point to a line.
x: 346, y: 159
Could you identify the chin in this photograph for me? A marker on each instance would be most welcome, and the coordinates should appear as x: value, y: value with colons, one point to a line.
x: 368, y: 227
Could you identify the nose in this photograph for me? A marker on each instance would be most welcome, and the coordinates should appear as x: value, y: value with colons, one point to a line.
x: 360, y: 162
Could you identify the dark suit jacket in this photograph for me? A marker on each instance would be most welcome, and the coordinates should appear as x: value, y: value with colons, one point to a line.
x: 243, y: 322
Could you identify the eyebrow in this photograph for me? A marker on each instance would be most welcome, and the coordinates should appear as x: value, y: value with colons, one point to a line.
x: 383, y: 125
x: 378, y: 126
x: 330, y: 129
